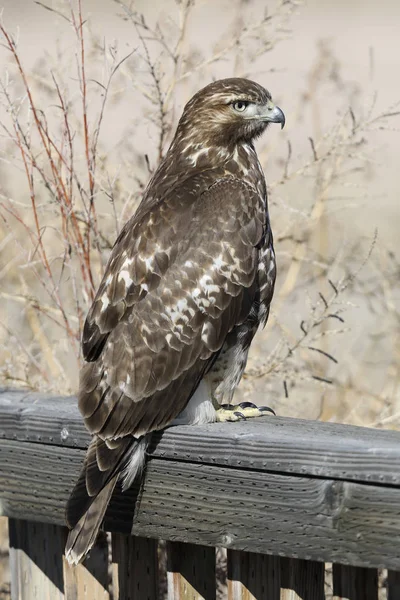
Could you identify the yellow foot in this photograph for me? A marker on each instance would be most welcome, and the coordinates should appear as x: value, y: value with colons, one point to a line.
x: 241, y: 412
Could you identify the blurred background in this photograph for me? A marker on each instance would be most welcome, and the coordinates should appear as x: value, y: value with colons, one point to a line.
x: 90, y: 99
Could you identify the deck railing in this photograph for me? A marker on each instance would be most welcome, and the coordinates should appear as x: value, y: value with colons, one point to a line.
x: 283, y: 496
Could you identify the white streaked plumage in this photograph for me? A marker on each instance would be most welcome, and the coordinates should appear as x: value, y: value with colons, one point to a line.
x: 188, y: 282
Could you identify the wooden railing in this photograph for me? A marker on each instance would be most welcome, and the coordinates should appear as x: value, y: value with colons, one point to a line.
x: 284, y: 496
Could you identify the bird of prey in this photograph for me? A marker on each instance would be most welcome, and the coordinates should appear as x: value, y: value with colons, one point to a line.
x: 188, y: 283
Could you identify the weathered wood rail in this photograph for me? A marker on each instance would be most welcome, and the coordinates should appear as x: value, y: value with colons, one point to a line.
x: 284, y: 496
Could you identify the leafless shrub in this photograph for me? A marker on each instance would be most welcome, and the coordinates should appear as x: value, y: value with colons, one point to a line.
x: 54, y: 141
x: 79, y: 197
x: 62, y: 230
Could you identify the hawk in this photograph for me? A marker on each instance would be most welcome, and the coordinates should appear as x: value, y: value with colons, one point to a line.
x: 188, y: 283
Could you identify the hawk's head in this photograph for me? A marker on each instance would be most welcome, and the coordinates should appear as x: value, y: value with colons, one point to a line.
x: 228, y: 111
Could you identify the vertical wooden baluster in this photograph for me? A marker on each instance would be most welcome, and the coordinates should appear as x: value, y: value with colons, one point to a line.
x: 253, y: 576
x: 36, y: 560
x: 393, y: 585
x: 354, y: 583
x: 134, y: 568
x: 89, y: 580
x: 4, y: 557
x: 190, y: 572
x: 302, y: 579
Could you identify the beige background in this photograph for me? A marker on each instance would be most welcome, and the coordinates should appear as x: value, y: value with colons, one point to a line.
x: 332, y: 54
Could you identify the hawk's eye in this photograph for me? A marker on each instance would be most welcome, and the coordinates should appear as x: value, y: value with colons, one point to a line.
x: 240, y: 105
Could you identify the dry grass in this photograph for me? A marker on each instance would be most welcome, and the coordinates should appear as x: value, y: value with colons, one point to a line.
x: 51, y: 130
x: 54, y: 248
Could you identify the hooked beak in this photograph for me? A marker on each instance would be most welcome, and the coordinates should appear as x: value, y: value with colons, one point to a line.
x: 273, y: 114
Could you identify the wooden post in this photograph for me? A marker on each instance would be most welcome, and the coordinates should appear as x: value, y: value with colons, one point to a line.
x: 90, y: 580
x: 4, y: 558
x: 354, y: 583
x: 393, y: 585
x: 36, y: 560
x: 253, y: 576
x: 190, y: 572
x: 302, y: 579
x: 134, y: 568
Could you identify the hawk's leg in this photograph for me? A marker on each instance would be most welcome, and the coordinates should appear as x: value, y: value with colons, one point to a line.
x: 227, y: 372
x: 241, y: 412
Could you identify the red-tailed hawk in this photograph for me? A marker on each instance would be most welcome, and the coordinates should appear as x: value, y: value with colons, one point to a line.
x: 188, y: 283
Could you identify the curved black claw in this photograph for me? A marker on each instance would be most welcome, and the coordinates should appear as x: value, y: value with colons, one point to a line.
x: 227, y: 406
x: 267, y: 409
x: 240, y: 416
x: 247, y: 405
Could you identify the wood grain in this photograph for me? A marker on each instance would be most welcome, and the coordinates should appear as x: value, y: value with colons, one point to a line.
x: 190, y: 572
x: 302, y: 579
x: 354, y: 583
x: 253, y: 576
x: 134, y: 568
x: 277, y: 445
x: 36, y: 563
x: 34, y: 417
x: 393, y: 585
x: 303, y: 517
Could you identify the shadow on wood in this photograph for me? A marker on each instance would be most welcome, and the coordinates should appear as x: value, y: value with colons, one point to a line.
x: 36, y: 560
x: 354, y: 583
x: 191, y: 571
x: 393, y: 585
x: 252, y: 576
x: 302, y: 579
x: 134, y: 567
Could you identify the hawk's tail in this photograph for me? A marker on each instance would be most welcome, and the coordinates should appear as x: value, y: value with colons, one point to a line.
x: 91, y: 495
x: 83, y: 535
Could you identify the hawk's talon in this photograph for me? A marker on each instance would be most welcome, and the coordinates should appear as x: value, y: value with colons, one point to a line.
x: 247, y: 405
x: 267, y: 409
x: 240, y: 416
x: 241, y: 412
